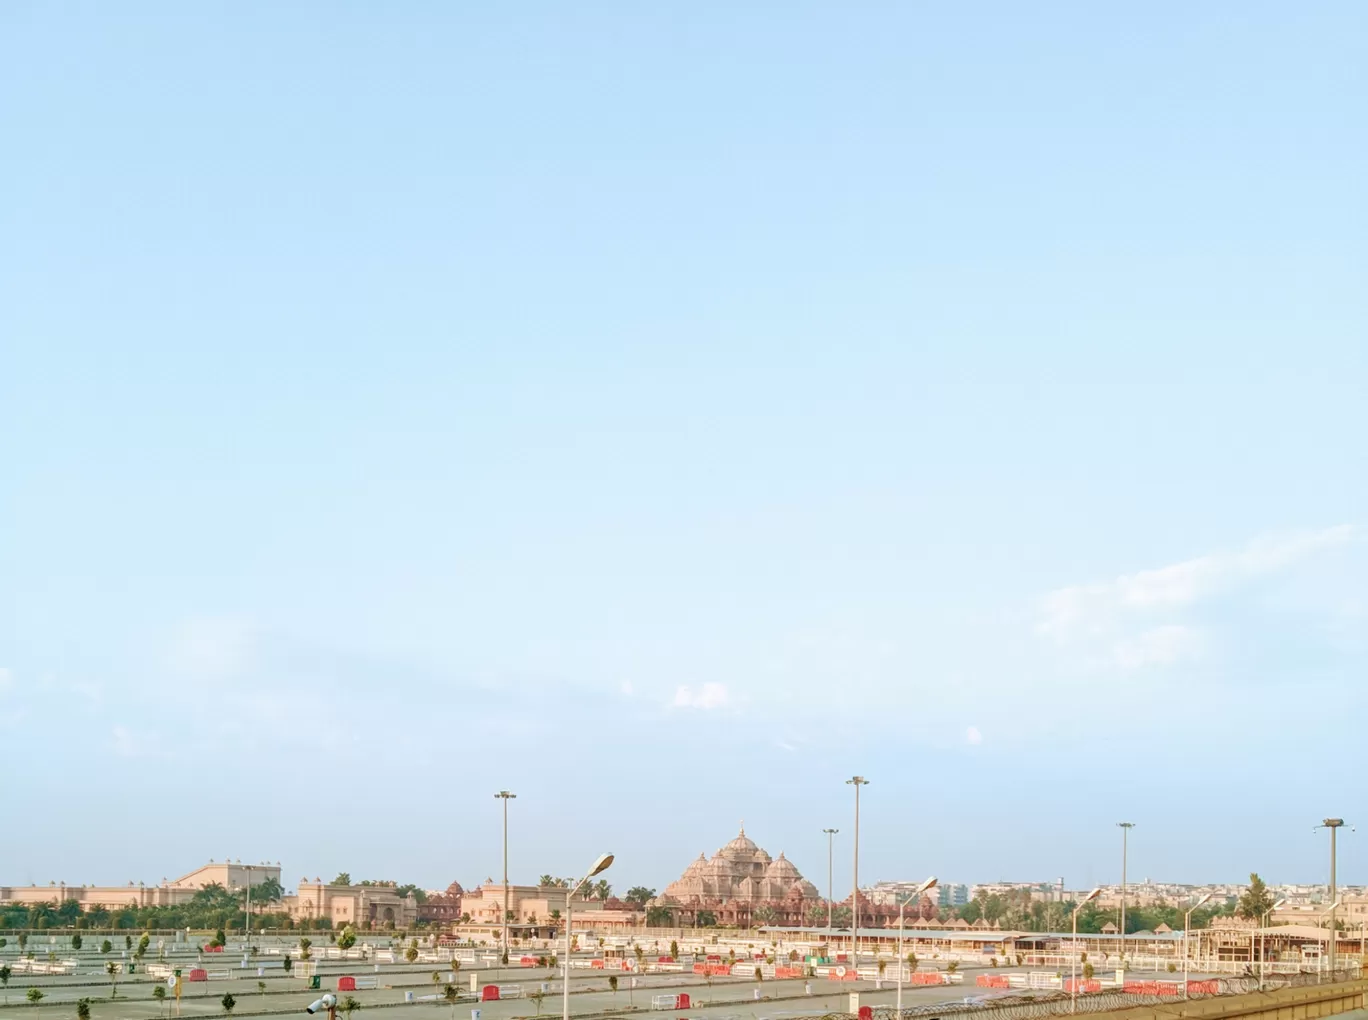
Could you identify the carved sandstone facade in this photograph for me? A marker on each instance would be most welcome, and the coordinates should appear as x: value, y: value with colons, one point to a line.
x: 741, y: 885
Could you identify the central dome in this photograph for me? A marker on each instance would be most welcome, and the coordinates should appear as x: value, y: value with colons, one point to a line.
x: 741, y: 846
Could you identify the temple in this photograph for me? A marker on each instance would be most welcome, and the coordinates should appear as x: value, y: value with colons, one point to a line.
x: 741, y: 885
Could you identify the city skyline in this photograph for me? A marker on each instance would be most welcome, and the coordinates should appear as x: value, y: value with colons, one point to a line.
x: 667, y: 413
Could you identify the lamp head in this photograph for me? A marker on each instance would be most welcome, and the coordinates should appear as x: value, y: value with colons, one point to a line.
x: 1278, y: 905
x: 604, y: 862
x: 930, y: 883
x: 1201, y: 899
x: 1092, y: 895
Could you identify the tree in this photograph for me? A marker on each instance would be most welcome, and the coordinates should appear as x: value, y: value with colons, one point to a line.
x: 952, y: 966
x: 220, y: 938
x: 23, y: 940
x: 638, y: 895
x: 128, y: 941
x: 76, y: 944
x: 1088, y: 971
x: 261, y: 987
x: 106, y: 946
x: 705, y: 919
x: 537, y: 998
x: 883, y: 968
x: 343, y: 879
x: 268, y: 891
x: 912, y: 962
x: 304, y: 945
x: 227, y: 1002
x: 143, y: 943
x: 764, y: 915
x: 1256, y: 900
x: 451, y: 995
x: 34, y: 995
x: 546, y: 881
x: 112, y: 969
x: 759, y: 974
x: 613, y: 982
x: 348, y: 1006
x: 674, y: 950
x: 602, y: 890
x: 658, y: 917
x: 347, y: 938
x: 159, y: 993
x: 556, y: 916
x: 287, y: 964
x: 410, y: 954
x: 5, y: 973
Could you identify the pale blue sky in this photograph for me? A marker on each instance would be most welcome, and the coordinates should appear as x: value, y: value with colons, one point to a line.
x: 970, y: 395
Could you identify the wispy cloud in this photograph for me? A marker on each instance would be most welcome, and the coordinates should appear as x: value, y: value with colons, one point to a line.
x: 1079, y: 610
x: 973, y: 736
x: 710, y: 696
x: 1140, y: 620
x: 1159, y: 646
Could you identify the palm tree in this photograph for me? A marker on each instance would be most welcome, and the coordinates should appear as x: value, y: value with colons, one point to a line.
x: 82, y: 1009
x: 546, y: 881
x: 112, y: 969
x: 602, y: 890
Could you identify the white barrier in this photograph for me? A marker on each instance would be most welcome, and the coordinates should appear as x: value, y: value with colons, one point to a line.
x: 367, y: 983
x: 664, y: 1001
x: 219, y: 975
x: 510, y: 991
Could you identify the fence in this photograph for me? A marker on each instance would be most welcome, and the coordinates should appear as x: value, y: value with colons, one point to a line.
x: 1050, y: 1004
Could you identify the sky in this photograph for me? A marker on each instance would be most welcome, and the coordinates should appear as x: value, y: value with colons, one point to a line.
x: 668, y: 411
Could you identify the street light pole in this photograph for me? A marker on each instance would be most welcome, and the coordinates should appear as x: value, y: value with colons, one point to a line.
x: 602, y: 864
x: 857, y: 782
x: 921, y: 890
x: 830, y: 903
x: 1125, y: 828
x: 1187, y: 927
x: 248, y: 868
x: 505, y: 796
x: 1073, y: 990
x: 1333, y: 824
x: 1263, y: 942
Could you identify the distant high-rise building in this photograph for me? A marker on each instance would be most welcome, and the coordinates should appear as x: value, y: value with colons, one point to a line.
x: 952, y: 895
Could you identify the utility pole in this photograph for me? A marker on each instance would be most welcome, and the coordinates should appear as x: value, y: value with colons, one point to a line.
x: 857, y: 782
x: 830, y: 904
x: 505, y: 796
x: 1125, y: 828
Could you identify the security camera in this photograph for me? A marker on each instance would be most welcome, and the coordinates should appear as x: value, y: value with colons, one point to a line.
x: 327, y: 1002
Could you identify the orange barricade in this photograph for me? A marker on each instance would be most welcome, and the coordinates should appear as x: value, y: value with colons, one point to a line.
x: 932, y: 977
x: 489, y: 993
x: 198, y: 974
x: 683, y: 1001
x: 346, y: 984
x: 595, y: 964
